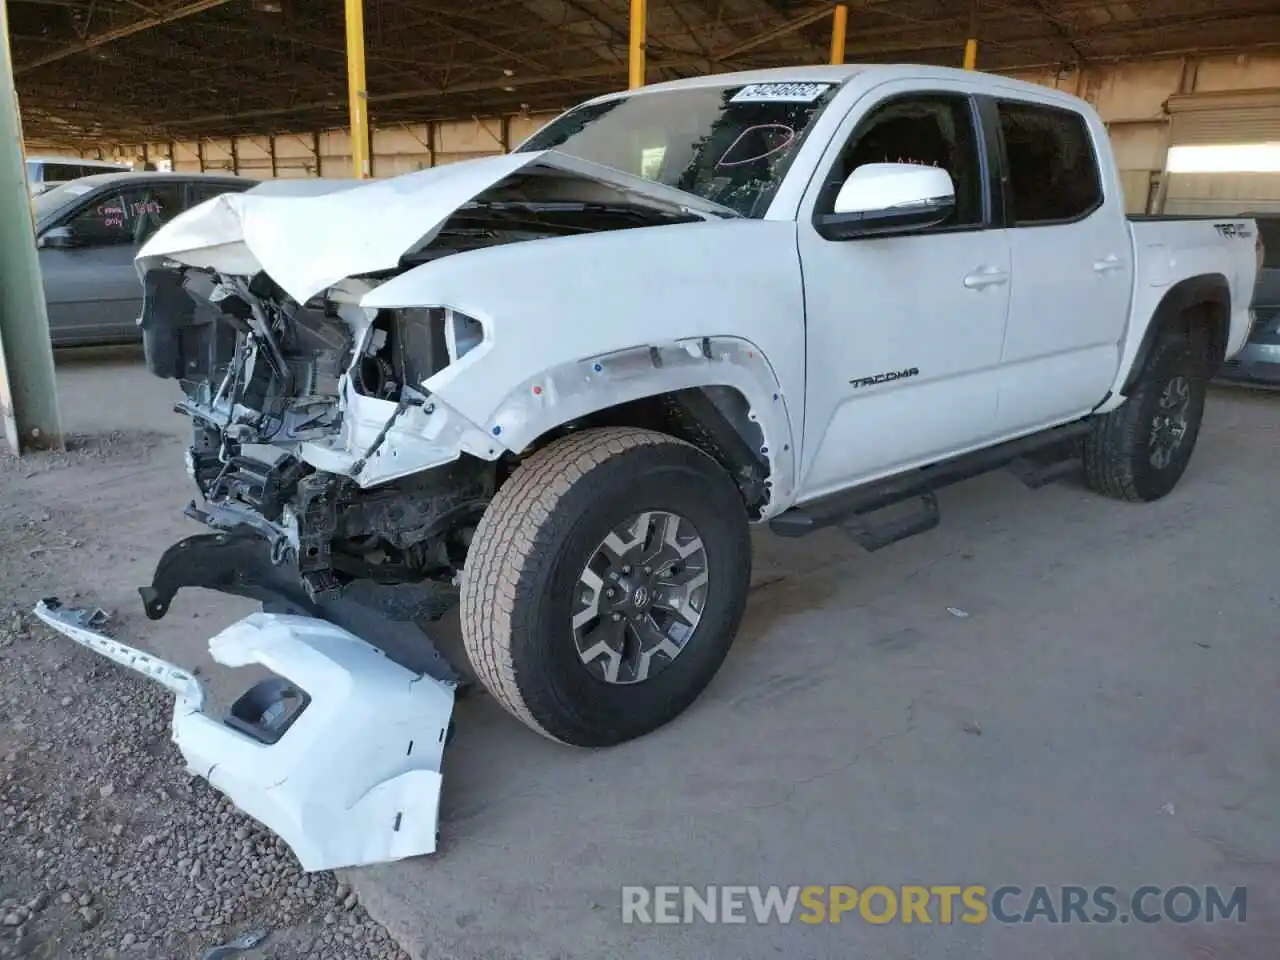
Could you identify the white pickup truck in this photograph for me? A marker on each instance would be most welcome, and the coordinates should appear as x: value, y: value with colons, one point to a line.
x: 567, y: 379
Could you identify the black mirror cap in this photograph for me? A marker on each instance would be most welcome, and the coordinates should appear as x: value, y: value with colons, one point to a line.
x: 875, y: 223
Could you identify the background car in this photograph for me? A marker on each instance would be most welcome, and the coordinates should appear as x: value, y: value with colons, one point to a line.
x: 89, y: 230
x: 1259, y: 363
x: 45, y: 173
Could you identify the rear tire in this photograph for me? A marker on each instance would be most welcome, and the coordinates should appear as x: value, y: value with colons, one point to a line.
x: 1139, y: 451
x: 556, y: 539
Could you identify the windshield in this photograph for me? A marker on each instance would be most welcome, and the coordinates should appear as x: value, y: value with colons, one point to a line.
x: 731, y: 145
x: 50, y: 201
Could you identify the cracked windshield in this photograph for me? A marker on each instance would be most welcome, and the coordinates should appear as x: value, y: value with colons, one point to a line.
x: 730, y: 145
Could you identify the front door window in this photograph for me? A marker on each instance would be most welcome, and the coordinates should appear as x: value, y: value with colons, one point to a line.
x: 127, y: 217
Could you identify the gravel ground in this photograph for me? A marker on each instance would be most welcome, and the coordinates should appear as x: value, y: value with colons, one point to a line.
x: 110, y: 849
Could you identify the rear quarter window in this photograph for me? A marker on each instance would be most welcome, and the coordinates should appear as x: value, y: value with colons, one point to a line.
x: 1053, y: 168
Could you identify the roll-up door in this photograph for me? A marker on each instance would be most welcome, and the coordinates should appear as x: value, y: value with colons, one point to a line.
x: 1224, y: 152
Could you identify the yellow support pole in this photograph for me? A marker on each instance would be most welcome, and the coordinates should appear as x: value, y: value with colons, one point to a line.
x: 357, y: 92
x: 639, y: 26
x: 839, y: 28
x: 971, y: 44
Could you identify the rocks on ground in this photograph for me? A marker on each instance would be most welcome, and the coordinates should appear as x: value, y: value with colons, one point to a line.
x: 111, y: 850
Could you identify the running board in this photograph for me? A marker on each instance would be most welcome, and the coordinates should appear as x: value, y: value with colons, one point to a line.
x: 872, y: 535
x: 1036, y: 460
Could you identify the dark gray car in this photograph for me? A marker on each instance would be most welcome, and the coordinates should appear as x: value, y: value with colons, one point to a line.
x: 1259, y: 362
x: 88, y: 231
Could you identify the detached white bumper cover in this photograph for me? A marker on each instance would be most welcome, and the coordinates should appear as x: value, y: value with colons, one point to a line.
x: 352, y: 778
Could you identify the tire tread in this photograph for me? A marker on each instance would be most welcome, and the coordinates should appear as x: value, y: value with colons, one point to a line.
x: 1115, y: 449
x: 520, y: 521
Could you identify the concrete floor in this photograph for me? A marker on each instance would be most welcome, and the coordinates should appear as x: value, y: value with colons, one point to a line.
x: 1104, y: 714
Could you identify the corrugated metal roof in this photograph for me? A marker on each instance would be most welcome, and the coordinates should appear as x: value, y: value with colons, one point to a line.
x: 89, y: 68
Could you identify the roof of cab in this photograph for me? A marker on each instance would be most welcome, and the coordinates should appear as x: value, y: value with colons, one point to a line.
x: 837, y: 74
x: 821, y: 73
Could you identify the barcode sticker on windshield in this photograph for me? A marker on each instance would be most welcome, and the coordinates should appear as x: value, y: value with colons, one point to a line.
x: 780, y: 93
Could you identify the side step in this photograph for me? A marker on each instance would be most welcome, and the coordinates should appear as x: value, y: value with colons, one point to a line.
x: 872, y: 535
x: 1039, y: 471
x: 1036, y: 460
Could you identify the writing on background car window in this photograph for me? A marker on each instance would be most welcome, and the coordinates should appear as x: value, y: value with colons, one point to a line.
x: 143, y: 207
x: 112, y: 213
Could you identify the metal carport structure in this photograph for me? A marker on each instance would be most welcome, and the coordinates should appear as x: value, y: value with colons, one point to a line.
x: 157, y: 70
x: 268, y: 86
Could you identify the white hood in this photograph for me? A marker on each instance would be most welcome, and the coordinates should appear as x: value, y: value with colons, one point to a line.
x: 308, y: 235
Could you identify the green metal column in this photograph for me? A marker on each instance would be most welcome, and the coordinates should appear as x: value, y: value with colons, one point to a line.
x: 28, y: 388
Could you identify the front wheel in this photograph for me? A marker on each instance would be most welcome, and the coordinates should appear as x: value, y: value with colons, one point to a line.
x: 605, y: 584
x: 1140, y: 450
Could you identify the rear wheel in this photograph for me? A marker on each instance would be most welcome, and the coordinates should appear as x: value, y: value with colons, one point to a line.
x: 605, y: 584
x: 1140, y: 450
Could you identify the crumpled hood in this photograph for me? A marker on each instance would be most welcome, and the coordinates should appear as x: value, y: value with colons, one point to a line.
x: 308, y: 235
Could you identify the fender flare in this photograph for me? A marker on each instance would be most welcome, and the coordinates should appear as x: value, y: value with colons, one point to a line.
x: 1205, y: 289
x: 579, y: 388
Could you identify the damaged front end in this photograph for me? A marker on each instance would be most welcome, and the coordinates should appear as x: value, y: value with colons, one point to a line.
x: 313, y: 426
x: 290, y: 404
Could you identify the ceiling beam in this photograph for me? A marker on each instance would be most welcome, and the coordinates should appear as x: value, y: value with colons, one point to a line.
x: 129, y: 29
x: 1065, y: 33
x: 598, y: 72
x: 791, y: 26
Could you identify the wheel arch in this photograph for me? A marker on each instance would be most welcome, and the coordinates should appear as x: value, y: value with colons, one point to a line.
x: 720, y: 393
x: 1200, y: 303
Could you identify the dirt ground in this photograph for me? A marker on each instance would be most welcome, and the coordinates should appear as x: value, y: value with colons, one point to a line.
x: 110, y: 850
x: 1051, y: 688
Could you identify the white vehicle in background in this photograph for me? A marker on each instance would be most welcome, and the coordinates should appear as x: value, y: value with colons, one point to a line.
x: 45, y: 173
x: 569, y: 378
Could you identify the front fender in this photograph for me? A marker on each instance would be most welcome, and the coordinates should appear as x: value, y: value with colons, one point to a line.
x: 574, y: 325
x: 575, y: 389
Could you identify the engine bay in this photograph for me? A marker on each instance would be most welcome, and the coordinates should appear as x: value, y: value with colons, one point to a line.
x: 262, y: 374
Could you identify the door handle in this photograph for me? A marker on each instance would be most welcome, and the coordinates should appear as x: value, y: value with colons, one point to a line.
x: 1108, y: 263
x: 985, y: 277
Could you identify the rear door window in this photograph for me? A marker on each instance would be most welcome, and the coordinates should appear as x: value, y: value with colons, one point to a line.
x: 1053, y: 169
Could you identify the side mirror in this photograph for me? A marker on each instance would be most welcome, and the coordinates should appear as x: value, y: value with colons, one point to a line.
x: 60, y: 238
x: 880, y: 198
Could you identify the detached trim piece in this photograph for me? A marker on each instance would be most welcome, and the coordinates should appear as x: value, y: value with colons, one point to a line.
x: 82, y: 627
x: 353, y: 777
